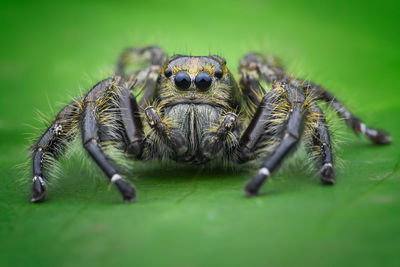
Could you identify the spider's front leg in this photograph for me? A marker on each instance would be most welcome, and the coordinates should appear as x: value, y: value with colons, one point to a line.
x: 132, y: 122
x: 97, y: 103
x: 291, y: 130
x: 252, y: 137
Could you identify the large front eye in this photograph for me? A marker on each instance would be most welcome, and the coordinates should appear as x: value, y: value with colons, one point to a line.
x: 182, y: 80
x: 202, y: 81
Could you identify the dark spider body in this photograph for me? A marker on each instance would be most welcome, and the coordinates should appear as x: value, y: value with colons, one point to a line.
x: 192, y: 110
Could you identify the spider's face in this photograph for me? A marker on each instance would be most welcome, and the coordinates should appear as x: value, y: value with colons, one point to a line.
x: 192, y: 77
x: 195, y: 73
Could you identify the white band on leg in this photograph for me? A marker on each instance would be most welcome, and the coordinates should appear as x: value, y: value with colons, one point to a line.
x: 264, y: 171
x: 115, y: 178
x: 363, y: 128
x: 40, y: 179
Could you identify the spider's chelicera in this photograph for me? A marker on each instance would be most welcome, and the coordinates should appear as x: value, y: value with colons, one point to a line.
x: 192, y: 110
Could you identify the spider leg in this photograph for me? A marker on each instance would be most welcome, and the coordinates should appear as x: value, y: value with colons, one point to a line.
x: 146, y: 78
x: 110, y: 95
x: 91, y: 123
x: 51, y: 145
x: 172, y: 136
x: 376, y: 136
x: 213, y: 141
x: 253, y: 67
x: 269, y: 70
x: 319, y: 143
x: 250, y: 139
x: 291, y: 136
x: 151, y: 55
x: 132, y: 122
x: 54, y: 141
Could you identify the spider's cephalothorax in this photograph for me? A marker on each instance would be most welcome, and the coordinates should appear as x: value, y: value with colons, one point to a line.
x: 192, y: 110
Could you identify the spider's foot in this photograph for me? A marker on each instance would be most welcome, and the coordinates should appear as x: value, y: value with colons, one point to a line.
x: 127, y: 191
x: 253, y: 186
x: 380, y: 137
x: 38, y: 189
x: 251, y: 189
x: 327, y: 174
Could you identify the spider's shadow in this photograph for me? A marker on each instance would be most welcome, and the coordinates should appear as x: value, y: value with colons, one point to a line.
x: 183, y: 171
x: 149, y: 175
x: 291, y: 177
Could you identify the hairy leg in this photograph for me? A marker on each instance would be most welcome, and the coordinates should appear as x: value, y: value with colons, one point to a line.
x: 55, y: 140
x: 291, y: 136
x: 150, y: 60
x: 51, y: 145
x: 270, y: 70
x: 253, y: 136
x: 92, y: 115
x: 97, y: 102
x: 319, y: 143
x: 132, y: 122
x: 151, y: 55
x: 376, y: 136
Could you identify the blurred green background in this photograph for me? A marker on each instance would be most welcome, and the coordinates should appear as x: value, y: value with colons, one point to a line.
x: 51, y: 51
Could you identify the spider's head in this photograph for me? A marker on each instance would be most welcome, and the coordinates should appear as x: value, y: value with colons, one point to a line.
x: 197, y: 80
x: 195, y: 74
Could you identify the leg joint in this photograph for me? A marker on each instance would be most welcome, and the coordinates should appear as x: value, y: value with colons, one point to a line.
x: 91, y: 141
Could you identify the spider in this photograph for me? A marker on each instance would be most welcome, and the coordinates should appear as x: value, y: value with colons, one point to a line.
x: 192, y: 110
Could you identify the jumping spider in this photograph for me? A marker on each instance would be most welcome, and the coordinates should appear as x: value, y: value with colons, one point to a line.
x: 192, y: 110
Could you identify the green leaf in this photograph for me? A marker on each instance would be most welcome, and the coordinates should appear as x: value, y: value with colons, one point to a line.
x: 186, y: 217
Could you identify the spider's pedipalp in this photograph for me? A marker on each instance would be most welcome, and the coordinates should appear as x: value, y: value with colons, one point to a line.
x: 169, y: 133
x: 213, y: 140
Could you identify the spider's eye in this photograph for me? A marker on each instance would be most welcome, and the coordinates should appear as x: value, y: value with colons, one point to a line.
x: 218, y: 74
x: 167, y: 72
x: 182, y: 80
x: 202, y: 81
